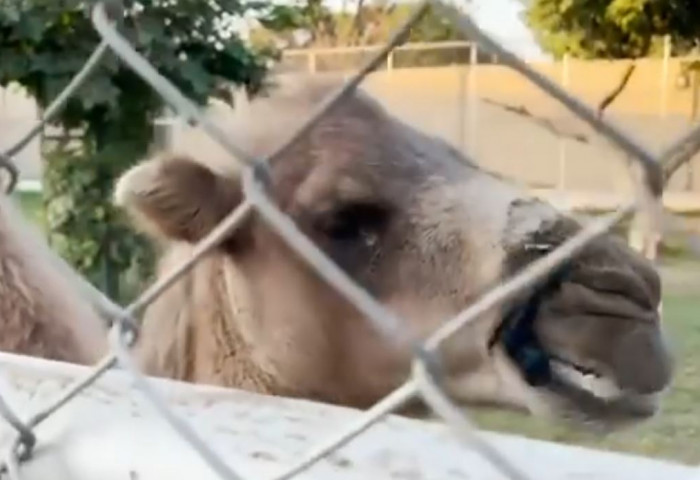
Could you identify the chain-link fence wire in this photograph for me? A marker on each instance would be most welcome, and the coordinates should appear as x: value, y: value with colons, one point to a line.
x: 424, y: 382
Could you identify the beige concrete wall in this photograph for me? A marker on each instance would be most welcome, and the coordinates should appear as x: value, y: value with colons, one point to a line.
x: 17, y: 116
x: 436, y: 100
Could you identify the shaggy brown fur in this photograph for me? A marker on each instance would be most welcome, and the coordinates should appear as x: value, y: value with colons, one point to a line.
x: 42, y: 314
x: 423, y: 229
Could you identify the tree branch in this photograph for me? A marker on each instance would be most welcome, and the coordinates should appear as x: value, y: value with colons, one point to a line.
x: 552, y: 128
x: 357, y: 28
x: 615, y: 93
x: 543, y: 122
x: 651, y: 229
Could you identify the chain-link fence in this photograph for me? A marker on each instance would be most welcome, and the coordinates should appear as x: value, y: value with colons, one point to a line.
x: 424, y: 382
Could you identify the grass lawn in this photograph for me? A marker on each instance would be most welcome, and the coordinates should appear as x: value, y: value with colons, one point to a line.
x: 30, y: 202
x: 673, y: 434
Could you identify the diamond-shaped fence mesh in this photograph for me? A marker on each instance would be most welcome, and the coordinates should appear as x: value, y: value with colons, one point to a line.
x: 424, y: 381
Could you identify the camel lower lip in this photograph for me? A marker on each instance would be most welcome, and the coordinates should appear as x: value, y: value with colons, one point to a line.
x: 597, y: 385
x: 601, y: 399
x: 591, y: 396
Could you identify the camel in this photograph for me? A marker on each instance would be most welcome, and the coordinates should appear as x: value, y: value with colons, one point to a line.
x: 43, y: 314
x: 422, y: 228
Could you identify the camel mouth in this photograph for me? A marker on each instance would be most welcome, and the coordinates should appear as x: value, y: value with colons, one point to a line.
x: 581, y: 394
x: 596, y: 400
x: 577, y: 390
x: 597, y: 388
x: 584, y: 378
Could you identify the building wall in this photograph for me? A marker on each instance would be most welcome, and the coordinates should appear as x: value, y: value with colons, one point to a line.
x: 17, y: 116
x: 476, y: 107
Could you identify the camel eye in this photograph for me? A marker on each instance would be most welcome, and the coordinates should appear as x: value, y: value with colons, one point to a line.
x: 355, y: 222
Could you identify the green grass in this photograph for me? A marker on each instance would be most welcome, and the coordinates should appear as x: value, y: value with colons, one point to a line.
x: 673, y: 434
x: 31, y: 205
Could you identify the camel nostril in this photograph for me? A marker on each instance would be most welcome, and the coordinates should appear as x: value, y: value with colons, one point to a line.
x: 642, y: 362
x: 648, y: 273
x: 620, y: 282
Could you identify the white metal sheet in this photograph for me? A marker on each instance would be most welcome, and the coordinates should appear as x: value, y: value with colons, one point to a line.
x: 111, y: 432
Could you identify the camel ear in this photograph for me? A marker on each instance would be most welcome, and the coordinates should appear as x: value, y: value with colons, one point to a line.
x: 176, y: 198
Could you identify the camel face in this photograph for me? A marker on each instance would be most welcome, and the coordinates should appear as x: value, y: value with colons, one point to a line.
x: 425, y: 231
x: 593, y: 341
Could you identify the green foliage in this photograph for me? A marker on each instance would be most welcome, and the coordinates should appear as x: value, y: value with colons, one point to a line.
x: 373, y: 24
x: 613, y: 28
x: 31, y: 205
x: 433, y: 27
x: 44, y: 43
x: 309, y: 15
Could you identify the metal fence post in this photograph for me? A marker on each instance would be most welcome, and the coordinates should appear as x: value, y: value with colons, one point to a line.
x: 471, y: 98
x: 461, y: 105
x: 311, y: 58
x: 164, y: 131
x: 663, y: 103
x: 561, y: 179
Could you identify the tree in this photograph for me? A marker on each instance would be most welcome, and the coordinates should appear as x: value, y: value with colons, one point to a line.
x: 285, y: 22
x: 310, y: 24
x: 44, y: 43
x: 371, y: 23
x: 613, y: 28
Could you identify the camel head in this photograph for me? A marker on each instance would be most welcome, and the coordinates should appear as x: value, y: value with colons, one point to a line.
x: 426, y: 231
